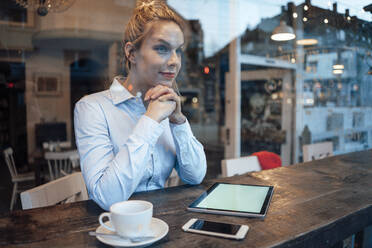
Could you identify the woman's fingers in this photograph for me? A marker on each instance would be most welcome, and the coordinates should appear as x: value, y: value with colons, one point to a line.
x: 168, y: 97
x: 157, y: 91
x: 164, y: 102
x: 148, y: 94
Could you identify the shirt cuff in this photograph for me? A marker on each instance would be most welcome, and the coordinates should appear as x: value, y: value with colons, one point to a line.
x: 181, y: 131
x: 148, y: 130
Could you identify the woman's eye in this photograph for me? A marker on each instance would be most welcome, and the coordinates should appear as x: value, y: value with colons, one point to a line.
x: 161, y: 49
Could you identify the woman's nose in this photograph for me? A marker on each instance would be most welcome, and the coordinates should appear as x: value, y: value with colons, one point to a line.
x: 174, y: 59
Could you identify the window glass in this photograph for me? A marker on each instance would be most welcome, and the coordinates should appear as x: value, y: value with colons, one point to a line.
x: 300, y: 91
x: 242, y: 91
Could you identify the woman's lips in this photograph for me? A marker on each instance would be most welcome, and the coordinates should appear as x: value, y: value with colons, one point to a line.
x: 168, y: 75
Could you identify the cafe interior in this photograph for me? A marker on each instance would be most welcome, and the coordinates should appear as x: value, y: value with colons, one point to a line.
x: 278, y: 93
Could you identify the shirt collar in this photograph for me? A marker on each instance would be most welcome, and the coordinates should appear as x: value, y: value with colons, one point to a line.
x: 118, y: 92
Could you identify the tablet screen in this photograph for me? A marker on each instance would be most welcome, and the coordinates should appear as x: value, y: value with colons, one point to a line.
x: 235, y: 197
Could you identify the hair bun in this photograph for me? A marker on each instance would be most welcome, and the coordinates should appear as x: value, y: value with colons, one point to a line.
x: 145, y: 4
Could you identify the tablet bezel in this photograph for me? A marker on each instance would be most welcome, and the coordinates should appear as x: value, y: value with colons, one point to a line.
x: 261, y: 214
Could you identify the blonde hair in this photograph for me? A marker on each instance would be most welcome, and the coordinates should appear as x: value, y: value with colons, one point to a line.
x: 147, y: 12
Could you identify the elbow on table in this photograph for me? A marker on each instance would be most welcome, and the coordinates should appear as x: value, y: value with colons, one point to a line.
x: 197, y: 179
x: 105, y: 199
x: 202, y: 173
x: 96, y: 197
x: 200, y: 180
x: 102, y: 204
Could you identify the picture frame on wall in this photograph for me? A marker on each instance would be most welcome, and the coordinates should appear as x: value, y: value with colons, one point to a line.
x: 48, y: 84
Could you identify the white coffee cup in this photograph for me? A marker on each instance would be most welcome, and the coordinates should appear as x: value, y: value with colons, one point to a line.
x: 129, y: 218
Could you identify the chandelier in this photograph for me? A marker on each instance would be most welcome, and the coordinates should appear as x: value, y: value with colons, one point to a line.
x: 43, y: 7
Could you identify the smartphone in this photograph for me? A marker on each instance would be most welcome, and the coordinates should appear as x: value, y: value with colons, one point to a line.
x: 224, y: 230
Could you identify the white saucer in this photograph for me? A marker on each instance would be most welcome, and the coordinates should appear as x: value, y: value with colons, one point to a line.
x: 158, y: 227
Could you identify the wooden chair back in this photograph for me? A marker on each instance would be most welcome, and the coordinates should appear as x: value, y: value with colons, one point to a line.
x: 317, y: 151
x: 237, y: 166
x: 60, y: 163
x: 75, y: 160
x: 69, y: 188
x: 53, y: 145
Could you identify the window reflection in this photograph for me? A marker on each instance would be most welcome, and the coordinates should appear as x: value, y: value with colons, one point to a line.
x: 319, y: 80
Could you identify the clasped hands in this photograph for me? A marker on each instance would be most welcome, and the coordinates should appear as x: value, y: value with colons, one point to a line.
x: 164, y: 102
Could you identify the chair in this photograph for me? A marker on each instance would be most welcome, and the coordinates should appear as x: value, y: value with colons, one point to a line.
x: 75, y: 160
x: 268, y: 160
x: 16, y: 177
x: 237, y: 166
x: 70, y: 188
x: 61, y: 163
x: 53, y: 145
x: 317, y: 151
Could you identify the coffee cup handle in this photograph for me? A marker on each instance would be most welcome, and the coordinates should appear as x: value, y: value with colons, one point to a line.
x: 108, y: 215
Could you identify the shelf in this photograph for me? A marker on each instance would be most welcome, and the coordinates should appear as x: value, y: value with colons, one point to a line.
x: 331, y: 134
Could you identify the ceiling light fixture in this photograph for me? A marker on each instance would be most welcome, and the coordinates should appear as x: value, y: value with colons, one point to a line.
x: 43, y: 7
x: 283, y: 32
x: 307, y: 42
x: 338, y: 71
x: 338, y: 67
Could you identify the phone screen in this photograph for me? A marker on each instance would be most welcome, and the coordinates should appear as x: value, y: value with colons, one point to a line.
x: 217, y: 227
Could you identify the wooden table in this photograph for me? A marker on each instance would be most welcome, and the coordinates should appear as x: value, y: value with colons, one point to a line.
x: 315, y: 204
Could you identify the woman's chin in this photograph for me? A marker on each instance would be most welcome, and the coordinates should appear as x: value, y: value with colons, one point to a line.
x: 168, y: 83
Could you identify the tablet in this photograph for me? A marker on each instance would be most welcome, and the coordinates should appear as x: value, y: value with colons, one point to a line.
x: 234, y: 199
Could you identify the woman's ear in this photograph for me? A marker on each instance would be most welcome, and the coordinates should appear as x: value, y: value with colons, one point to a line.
x: 129, y: 50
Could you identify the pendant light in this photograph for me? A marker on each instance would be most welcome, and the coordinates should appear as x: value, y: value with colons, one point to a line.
x: 307, y: 42
x: 283, y: 32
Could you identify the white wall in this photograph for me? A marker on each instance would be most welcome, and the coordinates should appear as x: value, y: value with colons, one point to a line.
x: 50, y: 108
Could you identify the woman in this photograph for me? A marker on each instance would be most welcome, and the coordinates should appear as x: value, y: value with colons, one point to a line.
x: 131, y: 136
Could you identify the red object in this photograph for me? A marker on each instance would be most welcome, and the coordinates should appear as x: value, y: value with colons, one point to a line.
x: 268, y: 160
x: 10, y: 85
x: 206, y: 70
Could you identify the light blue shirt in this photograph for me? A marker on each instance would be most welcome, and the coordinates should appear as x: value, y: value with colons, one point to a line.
x: 123, y: 151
